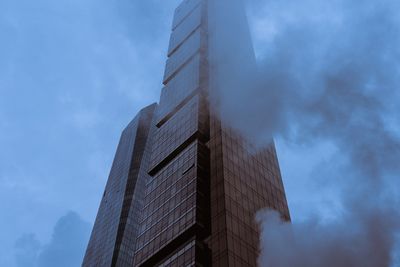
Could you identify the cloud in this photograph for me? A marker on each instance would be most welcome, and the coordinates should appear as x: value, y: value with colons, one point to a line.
x: 357, y: 241
x: 66, y: 247
x: 328, y: 72
x: 72, y: 74
x: 27, y: 248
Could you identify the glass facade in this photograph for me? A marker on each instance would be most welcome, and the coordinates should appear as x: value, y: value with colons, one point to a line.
x: 181, y: 87
x: 243, y: 181
x: 187, y: 50
x: 185, y: 187
x: 185, y: 28
x: 117, y: 222
x: 183, y: 10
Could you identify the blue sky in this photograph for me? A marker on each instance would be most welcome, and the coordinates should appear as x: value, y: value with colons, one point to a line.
x: 72, y: 74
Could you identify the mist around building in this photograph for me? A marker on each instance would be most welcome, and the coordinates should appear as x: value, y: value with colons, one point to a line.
x: 325, y: 88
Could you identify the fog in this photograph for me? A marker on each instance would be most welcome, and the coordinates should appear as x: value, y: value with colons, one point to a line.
x: 327, y: 72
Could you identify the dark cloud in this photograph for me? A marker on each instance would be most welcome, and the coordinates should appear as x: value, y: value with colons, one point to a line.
x: 27, y: 248
x: 327, y: 72
x: 356, y: 241
x: 66, y: 247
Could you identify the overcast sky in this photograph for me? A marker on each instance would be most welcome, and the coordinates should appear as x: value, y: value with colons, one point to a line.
x: 73, y: 73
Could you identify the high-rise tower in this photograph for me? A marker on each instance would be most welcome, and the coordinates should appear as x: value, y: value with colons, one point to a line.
x: 185, y: 186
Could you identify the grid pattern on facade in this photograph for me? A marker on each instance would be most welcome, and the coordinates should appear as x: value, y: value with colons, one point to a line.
x: 184, y: 124
x: 185, y: 256
x: 248, y: 188
x: 170, y: 206
x: 123, y: 174
x: 218, y: 239
x: 105, y: 230
x: 183, y: 10
x: 175, y: 209
x: 187, y: 50
x: 180, y: 87
x: 186, y: 28
x: 243, y: 182
x: 130, y: 217
x: 244, y: 179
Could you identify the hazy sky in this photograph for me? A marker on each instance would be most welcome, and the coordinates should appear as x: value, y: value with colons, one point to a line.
x: 73, y: 73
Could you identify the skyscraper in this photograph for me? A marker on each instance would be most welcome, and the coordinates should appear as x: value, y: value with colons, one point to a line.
x: 185, y: 186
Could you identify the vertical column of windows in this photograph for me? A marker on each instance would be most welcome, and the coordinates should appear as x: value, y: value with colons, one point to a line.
x: 179, y: 88
x: 170, y: 204
x: 175, y: 132
x: 104, y: 243
x: 174, y: 209
x: 185, y: 29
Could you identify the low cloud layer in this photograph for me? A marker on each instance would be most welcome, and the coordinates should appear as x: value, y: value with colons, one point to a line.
x: 327, y: 72
x: 66, y: 247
